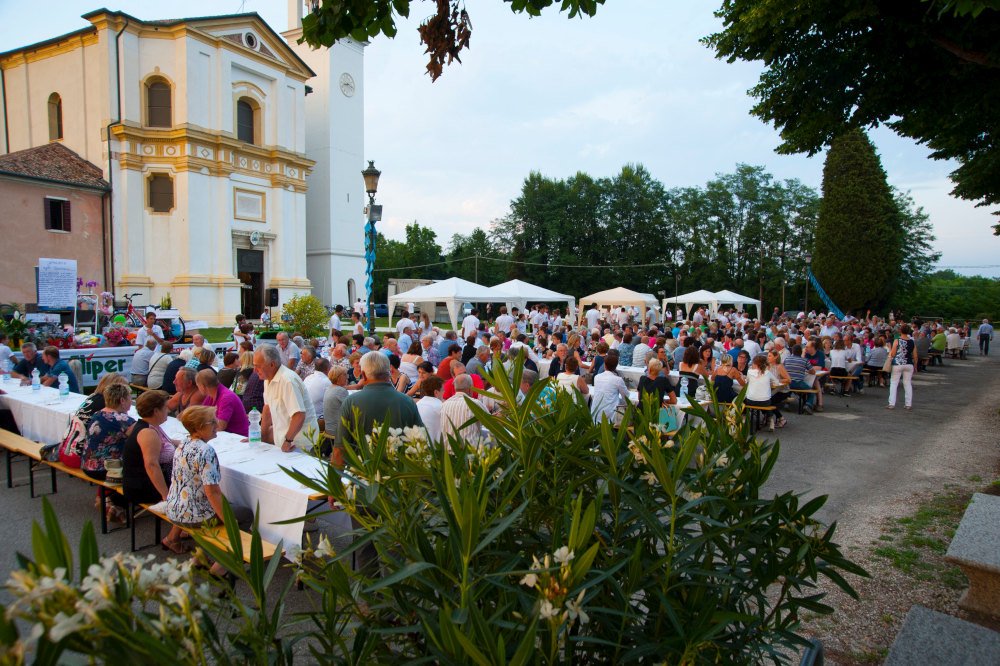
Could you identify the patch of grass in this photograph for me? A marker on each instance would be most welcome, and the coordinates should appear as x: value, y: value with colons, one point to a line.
x: 916, y: 544
x: 870, y: 656
x: 887, y: 618
x: 975, y: 478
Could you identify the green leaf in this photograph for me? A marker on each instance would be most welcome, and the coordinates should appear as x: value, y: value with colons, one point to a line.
x: 404, y: 573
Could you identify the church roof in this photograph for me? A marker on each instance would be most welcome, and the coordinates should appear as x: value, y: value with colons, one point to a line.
x: 276, y: 40
x: 54, y: 163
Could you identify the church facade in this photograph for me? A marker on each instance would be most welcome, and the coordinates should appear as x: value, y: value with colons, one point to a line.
x: 199, y: 126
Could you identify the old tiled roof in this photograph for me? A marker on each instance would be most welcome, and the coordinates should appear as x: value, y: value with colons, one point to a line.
x: 56, y: 163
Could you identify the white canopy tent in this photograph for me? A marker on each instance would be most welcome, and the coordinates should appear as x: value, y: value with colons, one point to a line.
x: 700, y: 297
x: 727, y: 297
x: 452, y: 292
x: 521, y: 293
x: 620, y: 296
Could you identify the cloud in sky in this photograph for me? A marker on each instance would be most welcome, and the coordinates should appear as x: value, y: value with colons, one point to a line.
x: 631, y: 85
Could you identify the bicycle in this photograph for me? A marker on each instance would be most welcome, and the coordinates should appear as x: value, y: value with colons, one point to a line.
x: 173, y: 329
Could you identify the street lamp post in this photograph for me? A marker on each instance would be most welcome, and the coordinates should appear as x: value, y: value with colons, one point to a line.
x: 805, y: 307
x: 374, y: 214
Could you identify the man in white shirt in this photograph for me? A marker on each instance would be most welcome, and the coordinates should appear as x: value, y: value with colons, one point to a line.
x: 335, y: 324
x: 470, y: 325
x: 430, y: 405
x: 359, y: 307
x: 288, y: 411
x: 151, y: 330
x: 405, y: 324
x: 288, y: 351
x: 829, y: 329
x: 593, y: 317
x: 317, y: 382
x: 699, y: 316
x: 609, y: 391
x: 504, y: 321
x: 751, y: 347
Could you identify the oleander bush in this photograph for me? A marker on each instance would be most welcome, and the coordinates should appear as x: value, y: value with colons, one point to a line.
x: 556, y: 541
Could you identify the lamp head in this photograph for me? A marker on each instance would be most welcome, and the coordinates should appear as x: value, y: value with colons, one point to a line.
x: 371, y: 175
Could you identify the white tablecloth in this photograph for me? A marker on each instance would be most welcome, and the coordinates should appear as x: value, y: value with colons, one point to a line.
x: 251, y: 475
x: 41, y: 415
x: 629, y: 374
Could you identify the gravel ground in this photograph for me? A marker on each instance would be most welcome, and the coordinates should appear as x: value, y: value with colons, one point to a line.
x: 965, y: 460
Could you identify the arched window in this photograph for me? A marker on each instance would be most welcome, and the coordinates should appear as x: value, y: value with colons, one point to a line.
x: 247, y: 119
x: 55, y: 117
x: 159, y: 109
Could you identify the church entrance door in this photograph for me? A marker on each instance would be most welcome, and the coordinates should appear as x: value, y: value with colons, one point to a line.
x: 250, y: 271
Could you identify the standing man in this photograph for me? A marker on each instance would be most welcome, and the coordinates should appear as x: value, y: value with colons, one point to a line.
x: 288, y: 351
x: 593, y: 317
x: 985, y: 336
x: 470, y: 325
x: 149, y: 330
x: 504, y: 321
x: 335, y: 325
x: 288, y: 412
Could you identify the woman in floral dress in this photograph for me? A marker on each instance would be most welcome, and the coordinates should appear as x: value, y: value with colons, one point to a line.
x: 106, y: 436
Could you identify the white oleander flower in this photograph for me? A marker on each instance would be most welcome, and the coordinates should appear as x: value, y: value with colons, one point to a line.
x: 546, y: 610
x: 64, y: 625
x: 575, y: 609
x: 563, y: 555
x: 529, y: 580
x: 294, y: 552
x: 649, y: 477
x: 722, y: 460
x: 325, y: 549
x: 669, y: 444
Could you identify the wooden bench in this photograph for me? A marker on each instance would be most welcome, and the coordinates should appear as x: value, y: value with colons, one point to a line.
x: 974, y: 549
x: 935, y: 357
x: 217, y: 536
x: 803, y: 395
x: 16, y: 445
x: 80, y: 474
x: 845, y: 383
x: 755, y: 414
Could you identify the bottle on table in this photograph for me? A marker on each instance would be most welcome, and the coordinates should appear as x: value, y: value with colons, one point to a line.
x: 5, y: 371
x: 63, y: 385
x: 254, y: 432
x: 36, y: 380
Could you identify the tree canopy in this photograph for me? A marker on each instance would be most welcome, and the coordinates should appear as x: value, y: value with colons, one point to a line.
x: 859, y: 235
x: 445, y: 34
x: 929, y: 70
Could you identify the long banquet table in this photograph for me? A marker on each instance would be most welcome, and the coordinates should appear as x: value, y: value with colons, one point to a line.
x: 251, y: 475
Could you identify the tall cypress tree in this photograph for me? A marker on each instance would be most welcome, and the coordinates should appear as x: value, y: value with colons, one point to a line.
x: 859, y: 237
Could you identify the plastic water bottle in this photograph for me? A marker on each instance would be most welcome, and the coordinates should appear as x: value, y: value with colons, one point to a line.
x: 684, y: 387
x: 63, y: 385
x: 254, y: 432
x: 5, y: 372
x: 36, y: 380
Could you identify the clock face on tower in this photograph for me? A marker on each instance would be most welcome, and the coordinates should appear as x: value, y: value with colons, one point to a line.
x: 347, y: 84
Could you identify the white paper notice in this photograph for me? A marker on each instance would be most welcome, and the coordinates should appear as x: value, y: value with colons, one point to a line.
x: 57, y: 283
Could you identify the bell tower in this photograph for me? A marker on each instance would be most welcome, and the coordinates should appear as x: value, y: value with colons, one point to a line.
x: 335, y: 139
